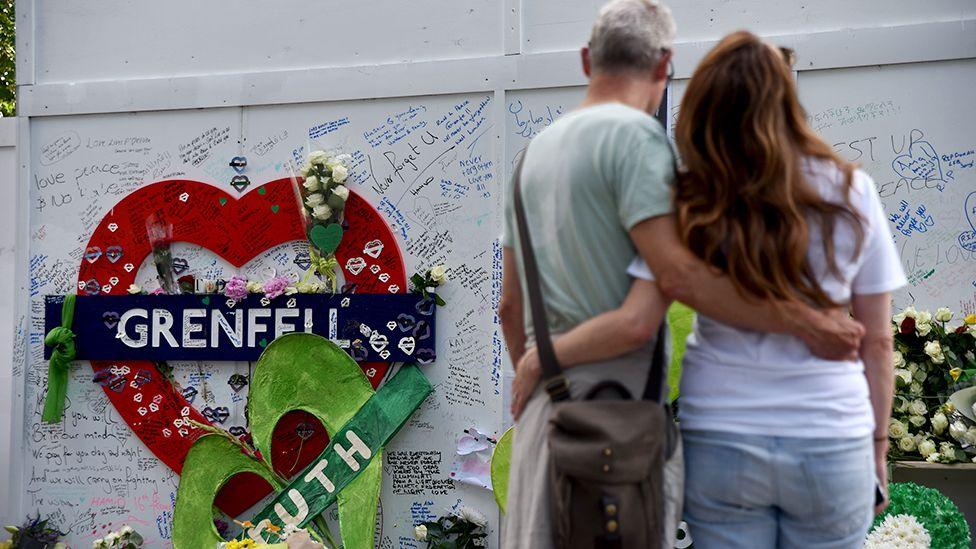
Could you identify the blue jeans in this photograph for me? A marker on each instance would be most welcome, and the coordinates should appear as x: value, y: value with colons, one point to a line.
x: 756, y: 492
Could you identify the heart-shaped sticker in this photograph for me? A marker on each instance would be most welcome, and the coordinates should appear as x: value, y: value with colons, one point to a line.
x: 180, y: 265
x: 92, y: 253
x: 406, y: 322
x: 407, y: 345
x: 110, y: 319
x: 326, y: 238
x: 113, y: 253
x: 303, y: 261
x: 355, y: 265
x: 237, y: 382
x: 239, y: 163
x: 378, y: 341
x: 373, y: 248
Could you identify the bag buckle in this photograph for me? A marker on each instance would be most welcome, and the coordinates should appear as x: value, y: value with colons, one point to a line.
x: 558, y: 388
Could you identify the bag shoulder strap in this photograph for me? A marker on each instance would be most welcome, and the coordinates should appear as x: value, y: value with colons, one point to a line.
x: 552, y: 372
x: 555, y: 382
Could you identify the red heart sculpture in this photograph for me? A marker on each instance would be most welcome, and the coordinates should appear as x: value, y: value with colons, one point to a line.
x: 236, y: 230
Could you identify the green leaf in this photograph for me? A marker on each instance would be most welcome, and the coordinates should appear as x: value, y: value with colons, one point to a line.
x: 418, y: 281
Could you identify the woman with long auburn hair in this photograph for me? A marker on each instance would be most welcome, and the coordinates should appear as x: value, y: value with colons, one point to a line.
x: 782, y: 449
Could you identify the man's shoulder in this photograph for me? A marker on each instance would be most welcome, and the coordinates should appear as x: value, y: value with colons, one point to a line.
x: 608, y: 118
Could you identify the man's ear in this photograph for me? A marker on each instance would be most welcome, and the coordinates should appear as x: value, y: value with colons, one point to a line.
x: 661, y: 71
x: 585, y: 58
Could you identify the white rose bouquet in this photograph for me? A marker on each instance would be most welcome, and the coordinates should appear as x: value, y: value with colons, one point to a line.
x: 322, y: 196
x: 931, y: 360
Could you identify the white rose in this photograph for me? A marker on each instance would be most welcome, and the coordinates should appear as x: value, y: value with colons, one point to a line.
x: 305, y: 170
x: 926, y: 448
x: 126, y: 530
x: 943, y: 314
x: 923, y: 328
x: 934, y: 350
x: 957, y: 430
x: 897, y: 429
x: 420, y: 532
x: 134, y: 290
x: 473, y: 516
x: 920, y: 375
x: 253, y: 287
x: 915, y: 388
x: 110, y: 538
x: 312, y: 183
x: 438, y: 274
x: 924, y: 317
x: 98, y: 544
x: 912, y: 367
x: 900, y: 317
x: 339, y: 173
x: 322, y: 212
x: 906, y: 444
x: 939, y: 423
x: 904, y: 376
x: 342, y: 192
x: 974, y: 408
x: 917, y: 421
x: 317, y: 157
x: 898, y: 359
x: 933, y: 458
x: 314, y: 200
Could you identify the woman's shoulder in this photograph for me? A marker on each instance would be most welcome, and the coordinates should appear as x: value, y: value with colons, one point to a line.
x: 827, y: 177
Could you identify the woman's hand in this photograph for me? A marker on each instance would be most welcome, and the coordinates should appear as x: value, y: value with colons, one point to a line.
x: 527, y: 375
x: 881, y: 470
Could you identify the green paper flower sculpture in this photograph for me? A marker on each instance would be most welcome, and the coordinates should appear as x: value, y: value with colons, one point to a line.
x: 940, y: 517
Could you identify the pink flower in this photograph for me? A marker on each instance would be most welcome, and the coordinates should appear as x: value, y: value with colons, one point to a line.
x: 276, y: 286
x: 157, y: 291
x: 236, y: 288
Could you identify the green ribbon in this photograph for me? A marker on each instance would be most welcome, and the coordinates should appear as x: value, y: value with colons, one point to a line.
x: 324, y: 266
x: 62, y: 341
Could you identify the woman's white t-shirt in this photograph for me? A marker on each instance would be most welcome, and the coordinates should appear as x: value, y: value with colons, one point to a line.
x: 748, y: 382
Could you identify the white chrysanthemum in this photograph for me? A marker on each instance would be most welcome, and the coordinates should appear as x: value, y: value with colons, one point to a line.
x: 899, y: 532
x: 473, y: 516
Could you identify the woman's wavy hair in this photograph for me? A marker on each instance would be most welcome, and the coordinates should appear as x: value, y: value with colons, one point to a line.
x: 742, y: 201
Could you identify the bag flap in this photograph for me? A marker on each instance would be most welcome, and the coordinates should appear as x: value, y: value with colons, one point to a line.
x: 611, y: 441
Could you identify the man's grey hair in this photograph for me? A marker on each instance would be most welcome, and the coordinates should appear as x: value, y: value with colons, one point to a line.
x: 629, y: 35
